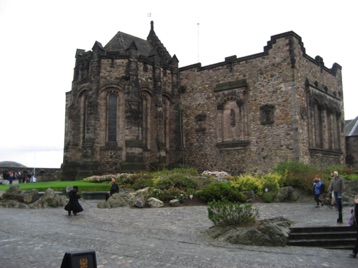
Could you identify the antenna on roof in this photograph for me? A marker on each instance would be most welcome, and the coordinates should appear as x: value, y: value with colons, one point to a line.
x: 198, y: 24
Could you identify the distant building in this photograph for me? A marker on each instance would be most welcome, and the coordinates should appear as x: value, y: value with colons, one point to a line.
x: 351, y: 131
x: 132, y: 107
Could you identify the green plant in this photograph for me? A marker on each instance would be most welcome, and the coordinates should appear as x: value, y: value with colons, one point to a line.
x: 220, y: 191
x: 141, y: 183
x: 168, y: 194
x: 297, y: 174
x: 226, y: 213
x: 268, y: 197
x: 246, y: 182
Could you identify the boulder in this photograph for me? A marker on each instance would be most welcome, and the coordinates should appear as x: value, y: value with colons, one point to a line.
x: 137, y: 199
x: 174, y: 203
x: 140, y: 198
x: 270, y: 232
x: 14, y: 197
x: 121, y: 199
x: 28, y: 197
x: 155, y: 203
x: 52, y: 199
x: 12, y: 193
x: 287, y: 194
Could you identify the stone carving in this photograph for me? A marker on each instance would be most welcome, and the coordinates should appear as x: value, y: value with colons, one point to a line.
x: 267, y: 114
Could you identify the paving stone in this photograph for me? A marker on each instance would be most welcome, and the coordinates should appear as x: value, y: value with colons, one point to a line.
x: 154, y: 237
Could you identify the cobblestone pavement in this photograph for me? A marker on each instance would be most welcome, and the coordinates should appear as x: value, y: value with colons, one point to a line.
x: 163, y: 237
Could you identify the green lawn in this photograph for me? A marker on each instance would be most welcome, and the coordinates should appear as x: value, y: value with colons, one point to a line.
x: 60, y: 186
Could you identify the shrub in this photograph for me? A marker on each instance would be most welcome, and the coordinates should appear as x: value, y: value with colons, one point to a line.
x: 220, y: 191
x: 246, y: 182
x: 268, y: 197
x: 297, y: 174
x: 225, y: 213
x: 163, y: 183
x: 141, y: 183
x: 168, y: 194
x: 272, y: 182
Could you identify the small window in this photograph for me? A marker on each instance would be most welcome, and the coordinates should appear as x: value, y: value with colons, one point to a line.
x: 112, y: 118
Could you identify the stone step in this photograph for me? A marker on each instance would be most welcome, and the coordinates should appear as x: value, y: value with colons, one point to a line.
x: 339, y: 237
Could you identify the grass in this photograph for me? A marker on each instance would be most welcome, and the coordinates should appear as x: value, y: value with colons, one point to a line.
x: 60, y: 186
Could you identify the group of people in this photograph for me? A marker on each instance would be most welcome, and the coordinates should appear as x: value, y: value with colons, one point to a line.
x: 336, y: 188
x: 74, y: 206
x: 22, y: 177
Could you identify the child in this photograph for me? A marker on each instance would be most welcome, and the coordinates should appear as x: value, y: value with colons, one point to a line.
x: 317, y: 186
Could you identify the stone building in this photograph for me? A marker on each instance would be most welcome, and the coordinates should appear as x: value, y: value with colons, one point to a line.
x: 351, y: 133
x: 132, y: 107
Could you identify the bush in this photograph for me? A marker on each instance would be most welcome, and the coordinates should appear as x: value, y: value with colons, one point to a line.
x: 141, y: 183
x: 297, y: 174
x: 168, y: 194
x: 268, y: 197
x: 220, y: 191
x: 246, y: 182
x: 225, y: 213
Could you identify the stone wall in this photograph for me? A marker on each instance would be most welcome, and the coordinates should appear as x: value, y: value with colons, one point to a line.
x: 266, y: 97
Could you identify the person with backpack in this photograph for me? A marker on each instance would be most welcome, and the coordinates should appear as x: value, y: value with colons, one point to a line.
x: 318, y: 189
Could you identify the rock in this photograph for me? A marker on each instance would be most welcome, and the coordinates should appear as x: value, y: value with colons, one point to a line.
x: 14, y: 197
x: 270, y: 232
x: 174, y: 203
x: 29, y: 196
x: 155, y: 203
x: 12, y: 193
x: 121, y: 199
x: 140, y: 197
x: 137, y: 199
x: 287, y: 194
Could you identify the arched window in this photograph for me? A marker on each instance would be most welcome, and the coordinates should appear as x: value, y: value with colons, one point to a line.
x: 112, y: 117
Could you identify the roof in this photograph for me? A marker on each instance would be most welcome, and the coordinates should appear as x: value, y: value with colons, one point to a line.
x: 351, y: 127
x: 122, y: 41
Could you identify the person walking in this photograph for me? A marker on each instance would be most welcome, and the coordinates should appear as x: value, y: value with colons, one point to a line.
x: 337, y: 186
x: 355, y: 249
x: 317, y: 190
x: 73, y: 205
x: 114, y: 188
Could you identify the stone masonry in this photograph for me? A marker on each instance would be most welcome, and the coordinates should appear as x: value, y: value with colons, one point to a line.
x: 131, y: 107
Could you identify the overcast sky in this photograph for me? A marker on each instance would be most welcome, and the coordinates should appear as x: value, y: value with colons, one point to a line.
x: 39, y: 39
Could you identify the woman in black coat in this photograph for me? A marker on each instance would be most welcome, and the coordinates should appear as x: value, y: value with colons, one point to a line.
x: 73, y: 205
x: 355, y: 249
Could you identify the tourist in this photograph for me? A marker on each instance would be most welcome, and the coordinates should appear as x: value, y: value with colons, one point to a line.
x: 114, y: 189
x: 317, y: 190
x: 11, y: 177
x: 333, y: 202
x: 337, y: 186
x: 73, y: 204
x: 355, y: 249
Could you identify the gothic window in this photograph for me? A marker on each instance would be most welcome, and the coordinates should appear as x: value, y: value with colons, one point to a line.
x: 267, y: 114
x: 112, y: 117
x: 147, y: 122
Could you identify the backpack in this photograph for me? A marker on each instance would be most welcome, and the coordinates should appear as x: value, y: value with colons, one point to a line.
x: 322, y: 188
x: 352, y: 220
